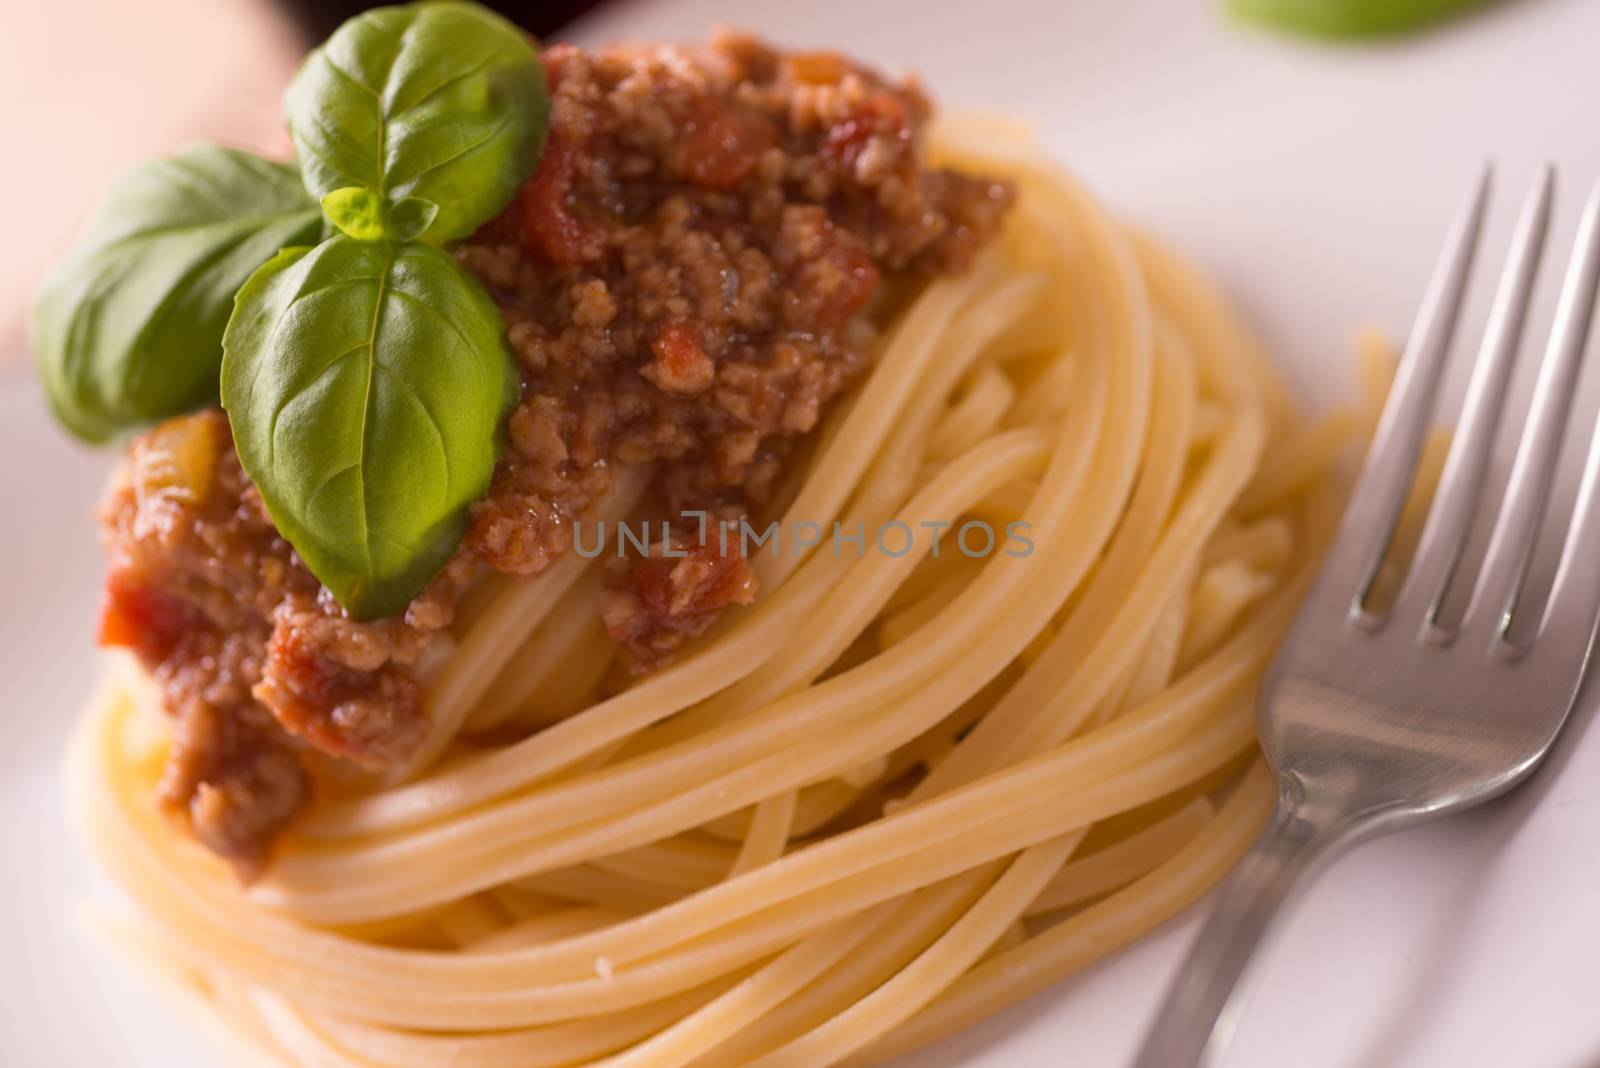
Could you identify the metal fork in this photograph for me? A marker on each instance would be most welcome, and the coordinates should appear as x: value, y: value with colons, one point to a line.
x: 1375, y: 719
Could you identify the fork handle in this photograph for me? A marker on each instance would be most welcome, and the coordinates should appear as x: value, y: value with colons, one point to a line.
x: 1197, y: 1016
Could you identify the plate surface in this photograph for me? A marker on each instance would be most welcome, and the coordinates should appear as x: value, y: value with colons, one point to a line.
x: 1315, y: 184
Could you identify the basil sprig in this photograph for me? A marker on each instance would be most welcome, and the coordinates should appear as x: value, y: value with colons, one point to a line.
x: 128, y: 331
x: 365, y: 376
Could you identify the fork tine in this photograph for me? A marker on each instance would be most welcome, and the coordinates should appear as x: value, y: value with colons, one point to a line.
x: 1460, y: 487
x: 1505, y: 567
x: 1380, y: 493
x: 1569, y: 621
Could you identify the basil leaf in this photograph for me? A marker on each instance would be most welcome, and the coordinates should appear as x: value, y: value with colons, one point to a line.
x: 365, y: 216
x: 357, y: 212
x: 1349, y: 18
x: 443, y: 101
x: 128, y: 331
x: 410, y: 217
x: 366, y: 382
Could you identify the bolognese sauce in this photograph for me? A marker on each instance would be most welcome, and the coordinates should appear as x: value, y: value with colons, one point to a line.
x: 683, y: 281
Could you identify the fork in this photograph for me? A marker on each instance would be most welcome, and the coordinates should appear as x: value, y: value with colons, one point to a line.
x: 1375, y: 718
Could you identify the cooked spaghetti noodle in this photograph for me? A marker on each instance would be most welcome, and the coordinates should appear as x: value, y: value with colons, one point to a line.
x: 896, y: 794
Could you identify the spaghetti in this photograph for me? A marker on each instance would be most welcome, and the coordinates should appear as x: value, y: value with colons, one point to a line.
x: 896, y: 794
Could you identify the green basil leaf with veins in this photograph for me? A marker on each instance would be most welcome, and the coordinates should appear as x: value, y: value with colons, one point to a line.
x: 442, y: 101
x: 128, y: 330
x: 358, y: 212
x: 366, y: 382
x: 365, y: 216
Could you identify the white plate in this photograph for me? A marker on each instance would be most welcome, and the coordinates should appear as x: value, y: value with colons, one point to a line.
x: 1315, y: 183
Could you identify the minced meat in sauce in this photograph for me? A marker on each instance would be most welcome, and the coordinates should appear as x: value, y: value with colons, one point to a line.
x: 682, y: 280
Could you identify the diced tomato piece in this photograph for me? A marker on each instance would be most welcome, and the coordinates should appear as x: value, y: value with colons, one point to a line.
x: 722, y: 144
x: 147, y: 620
x: 681, y: 364
x: 817, y: 68
x: 880, y: 115
x: 538, y: 218
x: 853, y: 284
x: 702, y: 583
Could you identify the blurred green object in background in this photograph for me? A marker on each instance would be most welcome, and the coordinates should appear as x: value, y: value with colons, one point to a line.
x: 1349, y: 18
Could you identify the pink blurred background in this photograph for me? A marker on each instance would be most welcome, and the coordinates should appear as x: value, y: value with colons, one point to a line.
x: 101, y: 85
